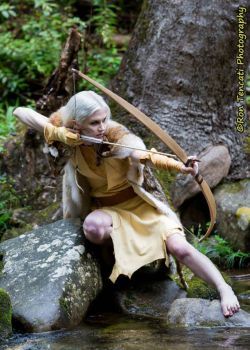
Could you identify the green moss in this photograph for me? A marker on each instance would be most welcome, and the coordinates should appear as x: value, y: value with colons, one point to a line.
x: 45, y: 213
x: 166, y: 179
x: 199, y: 289
x: 234, y: 187
x: 8, y: 200
x: 65, y: 306
x: 5, y: 314
x: 246, y: 292
x: 144, y: 21
x: 16, y: 231
x: 243, y: 211
x: 28, y: 218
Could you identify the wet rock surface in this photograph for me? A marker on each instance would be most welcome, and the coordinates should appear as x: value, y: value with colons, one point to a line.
x: 214, y: 166
x: 50, y: 276
x: 203, y: 313
x: 233, y: 213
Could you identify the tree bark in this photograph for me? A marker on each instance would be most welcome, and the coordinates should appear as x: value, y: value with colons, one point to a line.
x: 181, y: 70
x: 60, y: 85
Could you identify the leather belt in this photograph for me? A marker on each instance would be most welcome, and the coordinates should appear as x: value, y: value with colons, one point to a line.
x: 118, y: 198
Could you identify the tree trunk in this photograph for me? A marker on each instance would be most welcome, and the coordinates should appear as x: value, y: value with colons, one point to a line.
x: 181, y: 70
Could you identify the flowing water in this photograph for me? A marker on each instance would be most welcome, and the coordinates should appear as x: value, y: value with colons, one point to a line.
x: 109, y: 331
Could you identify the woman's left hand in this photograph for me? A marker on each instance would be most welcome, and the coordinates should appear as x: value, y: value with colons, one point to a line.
x: 193, y: 167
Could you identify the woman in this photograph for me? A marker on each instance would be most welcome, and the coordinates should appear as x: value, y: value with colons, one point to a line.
x: 105, y: 187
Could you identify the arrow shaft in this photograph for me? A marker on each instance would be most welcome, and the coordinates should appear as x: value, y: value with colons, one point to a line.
x: 92, y: 139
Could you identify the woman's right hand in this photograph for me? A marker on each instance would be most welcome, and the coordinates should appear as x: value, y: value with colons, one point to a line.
x: 62, y: 134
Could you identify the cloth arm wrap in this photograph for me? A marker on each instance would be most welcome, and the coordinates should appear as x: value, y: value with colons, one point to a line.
x: 161, y: 162
x: 54, y: 133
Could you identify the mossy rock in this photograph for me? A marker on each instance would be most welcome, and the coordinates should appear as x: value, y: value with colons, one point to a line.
x: 197, y: 288
x: 24, y: 220
x: 243, y: 212
x: 5, y: 314
x: 200, y: 289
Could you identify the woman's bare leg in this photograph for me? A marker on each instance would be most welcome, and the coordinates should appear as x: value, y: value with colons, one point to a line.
x: 205, y: 269
x: 97, y: 226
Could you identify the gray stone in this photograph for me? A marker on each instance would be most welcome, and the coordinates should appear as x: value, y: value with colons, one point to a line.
x: 203, y: 313
x: 214, y: 166
x: 50, y: 276
x: 149, y: 298
x: 233, y: 213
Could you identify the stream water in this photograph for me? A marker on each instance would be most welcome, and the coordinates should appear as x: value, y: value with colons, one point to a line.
x: 118, y: 332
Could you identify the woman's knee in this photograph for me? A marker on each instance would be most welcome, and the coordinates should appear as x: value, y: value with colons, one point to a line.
x: 179, y: 247
x: 97, y: 226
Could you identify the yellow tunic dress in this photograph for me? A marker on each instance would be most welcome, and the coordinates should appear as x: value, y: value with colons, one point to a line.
x: 139, y: 230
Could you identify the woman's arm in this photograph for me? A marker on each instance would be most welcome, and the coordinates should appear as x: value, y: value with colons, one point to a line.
x: 163, y: 162
x: 31, y: 118
x: 42, y: 124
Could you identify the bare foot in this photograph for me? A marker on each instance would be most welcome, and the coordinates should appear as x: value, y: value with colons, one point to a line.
x: 229, y: 301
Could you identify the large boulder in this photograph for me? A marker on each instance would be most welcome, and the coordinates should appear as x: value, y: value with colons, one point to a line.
x: 233, y: 213
x: 5, y: 314
x: 50, y: 276
x: 192, y: 312
x: 214, y: 166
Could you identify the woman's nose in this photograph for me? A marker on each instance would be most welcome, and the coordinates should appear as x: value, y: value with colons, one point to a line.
x: 101, y: 126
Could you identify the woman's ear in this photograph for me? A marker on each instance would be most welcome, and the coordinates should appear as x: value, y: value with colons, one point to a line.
x: 56, y: 119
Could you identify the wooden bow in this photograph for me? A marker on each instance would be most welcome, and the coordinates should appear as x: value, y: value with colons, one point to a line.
x: 165, y: 138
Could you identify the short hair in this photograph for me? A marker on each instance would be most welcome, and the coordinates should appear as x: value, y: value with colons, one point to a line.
x: 82, y: 105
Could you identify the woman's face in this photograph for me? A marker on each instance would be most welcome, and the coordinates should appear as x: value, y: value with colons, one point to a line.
x: 95, y: 125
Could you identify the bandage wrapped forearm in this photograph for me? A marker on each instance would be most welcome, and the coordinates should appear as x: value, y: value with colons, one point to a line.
x: 161, y: 162
x: 54, y: 133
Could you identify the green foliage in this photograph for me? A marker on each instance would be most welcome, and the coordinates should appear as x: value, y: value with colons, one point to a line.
x: 30, y: 45
x: 7, y: 120
x: 8, y: 201
x: 105, y: 21
x: 166, y: 179
x: 103, y: 59
x: 7, y: 11
x: 103, y: 64
x: 219, y: 251
x: 7, y: 123
x: 32, y: 33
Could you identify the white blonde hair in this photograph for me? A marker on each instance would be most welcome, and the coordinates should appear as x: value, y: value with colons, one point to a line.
x: 82, y: 105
